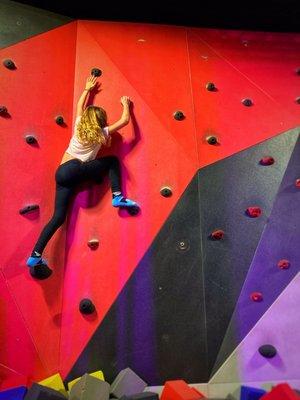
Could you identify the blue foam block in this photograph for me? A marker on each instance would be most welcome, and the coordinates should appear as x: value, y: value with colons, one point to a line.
x: 249, y: 393
x: 17, y: 393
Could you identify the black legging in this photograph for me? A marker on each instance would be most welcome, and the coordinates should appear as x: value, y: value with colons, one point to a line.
x: 67, y: 176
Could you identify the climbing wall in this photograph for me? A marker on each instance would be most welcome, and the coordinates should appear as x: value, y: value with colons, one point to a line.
x: 173, y: 287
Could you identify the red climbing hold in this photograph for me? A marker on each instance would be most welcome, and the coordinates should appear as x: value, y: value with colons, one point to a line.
x: 297, y: 183
x: 254, y: 212
x: 283, y: 264
x: 267, y: 161
x: 256, y: 296
x: 217, y: 235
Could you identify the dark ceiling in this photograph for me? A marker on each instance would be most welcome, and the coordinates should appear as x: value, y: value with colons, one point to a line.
x: 263, y: 15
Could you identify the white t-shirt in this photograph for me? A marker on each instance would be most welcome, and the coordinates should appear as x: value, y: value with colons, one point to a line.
x: 83, y: 152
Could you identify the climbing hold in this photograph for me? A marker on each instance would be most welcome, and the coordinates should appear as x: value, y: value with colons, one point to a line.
x: 256, y: 296
x: 9, y: 64
x: 298, y: 71
x: 166, y: 191
x: 217, y: 235
x: 267, y: 161
x: 212, y: 140
x: 59, y: 120
x: 3, y: 110
x: 210, y: 86
x: 30, y: 139
x: 86, y: 306
x: 183, y: 245
x: 297, y: 183
x: 284, y: 264
x: 29, y: 208
x: 253, y: 212
x: 178, y: 115
x: 96, y: 72
x: 93, y: 244
x: 133, y: 210
x: 297, y: 100
x: 40, y: 271
x: 267, y: 350
x: 247, y: 102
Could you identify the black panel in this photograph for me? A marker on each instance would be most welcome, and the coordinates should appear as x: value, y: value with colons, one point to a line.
x: 280, y: 239
x: 267, y: 15
x: 19, y: 22
x: 227, y: 188
x: 157, y: 325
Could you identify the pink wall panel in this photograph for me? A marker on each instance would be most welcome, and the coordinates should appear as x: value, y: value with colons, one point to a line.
x: 221, y: 113
x: 39, y: 89
x: 151, y: 157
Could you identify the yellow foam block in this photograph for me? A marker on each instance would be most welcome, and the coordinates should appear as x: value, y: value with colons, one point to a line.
x: 55, y: 382
x: 97, y: 374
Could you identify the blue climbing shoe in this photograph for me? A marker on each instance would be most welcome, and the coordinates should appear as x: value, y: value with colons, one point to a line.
x: 33, y: 261
x: 120, y: 201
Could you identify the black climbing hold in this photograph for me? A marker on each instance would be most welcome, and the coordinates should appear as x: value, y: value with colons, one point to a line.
x: 86, y: 306
x: 3, y: 110
x: 9, y: 64
x: 59, y: 120
x: 134, y: 210
x: 29, y: 208
x: 212, y: 140
x: 96, y: 72
x: 40, y: 271
x: 30, y: 139
x: 93, y: 244
x: 267, y: 350
x: 166, y: 191
x: 178, y: 115
x: 210, y: 86
x: 247, y: 102
x: 183, y: 245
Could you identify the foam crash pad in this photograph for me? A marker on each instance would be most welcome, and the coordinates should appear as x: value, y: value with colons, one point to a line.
x: 283, y: 391
x: 249, y: 393
x: 39, y: 392
x: 127, y: 383
x: 16, y: 393
x: 55, y: 382
x: 180, y: 390
x: 96, y: 374
x: 141, y: 396
x: 90, y: 388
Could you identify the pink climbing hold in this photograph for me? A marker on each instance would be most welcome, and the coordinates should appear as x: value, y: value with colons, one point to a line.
x: 254, y: 212
x: 256, y: 296
x: 284, y: 264
x: 267, y: 161
x: 218, y: 234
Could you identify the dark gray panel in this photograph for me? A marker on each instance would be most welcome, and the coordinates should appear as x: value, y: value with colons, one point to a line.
x: 227, y: 188
x: 280, y: 240
x: 157, y: 324
x: 19, y: 22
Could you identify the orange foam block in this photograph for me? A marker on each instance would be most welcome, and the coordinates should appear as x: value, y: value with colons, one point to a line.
x: 180, y: 390
x: 281, y: 392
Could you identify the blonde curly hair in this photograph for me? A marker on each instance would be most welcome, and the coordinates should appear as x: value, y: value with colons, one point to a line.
x: 89, y: 128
